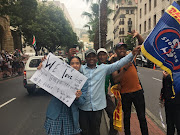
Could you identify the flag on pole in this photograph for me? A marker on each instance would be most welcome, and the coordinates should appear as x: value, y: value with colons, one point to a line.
x: 34, y: 42
x: 162, y: 46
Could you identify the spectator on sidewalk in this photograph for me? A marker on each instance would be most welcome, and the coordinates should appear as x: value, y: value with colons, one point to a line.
x: 91, y: 111
x: 103, y: 59
x: 131, y: 90
x: 172, y: 105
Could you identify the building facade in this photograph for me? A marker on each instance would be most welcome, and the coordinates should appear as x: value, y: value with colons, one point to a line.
x: 125, y: 20
x: 149, y: 13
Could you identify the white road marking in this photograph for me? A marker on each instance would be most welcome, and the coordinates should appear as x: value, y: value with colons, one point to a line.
x: 7, y: 102
x: 156, y: 79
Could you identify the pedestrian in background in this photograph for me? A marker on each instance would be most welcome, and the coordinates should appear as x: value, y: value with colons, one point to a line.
x: 172, y: 105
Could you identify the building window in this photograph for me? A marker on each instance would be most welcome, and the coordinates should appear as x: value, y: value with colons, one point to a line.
x: 129, y: 22
x: 155, y: 3
x: 127, y: 11
x: 129, y: 29
x: 149, y: 5
x: 154, y: 20
x: 123, y: 40
x: 140, y: 12
x: 145, y: 6
x: 120, y: 40
x: 162, y: 12
x: 149, y: 23
x: 120, y: 32
x: 122, y: 22
x: 123, y: 31
x: 132, y: 11
x: 140, y: 28
x: 144, y: 26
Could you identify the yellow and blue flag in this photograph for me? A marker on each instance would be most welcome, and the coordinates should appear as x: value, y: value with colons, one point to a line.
x: 162, y: 46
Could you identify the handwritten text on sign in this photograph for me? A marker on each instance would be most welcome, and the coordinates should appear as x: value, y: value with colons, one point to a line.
x: 59, y: 79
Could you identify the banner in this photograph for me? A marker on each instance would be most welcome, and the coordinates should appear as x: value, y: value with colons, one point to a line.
x: 162, y: 46
x: 59, y: 79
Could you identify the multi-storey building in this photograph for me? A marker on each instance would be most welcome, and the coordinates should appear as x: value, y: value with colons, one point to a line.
x: 149, y: 13
x: 125, y: 20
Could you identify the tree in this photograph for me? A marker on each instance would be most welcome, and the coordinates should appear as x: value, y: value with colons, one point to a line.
x: 51, y: 29
x: 130, y: 41
x: 46, y: 22
x: 93, y: 23
x: 103, y: 18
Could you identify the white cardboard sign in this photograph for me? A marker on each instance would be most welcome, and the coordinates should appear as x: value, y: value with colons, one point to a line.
x: 59, y: 79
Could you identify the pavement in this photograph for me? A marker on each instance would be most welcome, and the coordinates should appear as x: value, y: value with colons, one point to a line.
x: 153, y: 127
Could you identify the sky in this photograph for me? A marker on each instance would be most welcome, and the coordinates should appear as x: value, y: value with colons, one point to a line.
x: 75, y: 9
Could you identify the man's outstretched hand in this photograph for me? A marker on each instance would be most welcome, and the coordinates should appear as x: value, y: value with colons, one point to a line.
x: 136, y: 50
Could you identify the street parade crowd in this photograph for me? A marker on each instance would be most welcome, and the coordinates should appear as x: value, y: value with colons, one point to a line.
x: 11, y: 63
x: 116, y: 70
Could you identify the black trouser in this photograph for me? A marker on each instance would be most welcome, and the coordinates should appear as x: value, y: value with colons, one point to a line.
x: 137, y: 98
x: 90, y: 122
x: 110, y: 110
x: 172, y: 117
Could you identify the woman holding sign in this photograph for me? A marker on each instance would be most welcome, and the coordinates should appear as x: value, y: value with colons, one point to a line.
x: 61, y: 119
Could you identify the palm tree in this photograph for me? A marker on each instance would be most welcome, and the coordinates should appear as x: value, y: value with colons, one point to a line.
x: 93, y: 24
x: 103, y: 18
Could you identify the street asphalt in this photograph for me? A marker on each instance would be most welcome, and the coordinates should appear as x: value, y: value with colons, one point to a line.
x: 25, y: 114
x: 151, y: 81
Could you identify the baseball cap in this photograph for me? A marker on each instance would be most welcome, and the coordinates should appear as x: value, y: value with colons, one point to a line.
x: 120, y: 44
x: 102, y: 50
x: 90, y: 51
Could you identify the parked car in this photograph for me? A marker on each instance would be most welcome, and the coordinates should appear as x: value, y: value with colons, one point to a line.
x: 150, y: 64
x: 141, y: 61
x: 30, y: 68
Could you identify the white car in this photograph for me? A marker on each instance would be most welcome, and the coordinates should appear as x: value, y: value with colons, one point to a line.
x: 30, y: 68
x: 141, y: 61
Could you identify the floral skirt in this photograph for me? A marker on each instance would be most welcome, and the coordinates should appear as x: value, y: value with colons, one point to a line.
x: 63, y: 125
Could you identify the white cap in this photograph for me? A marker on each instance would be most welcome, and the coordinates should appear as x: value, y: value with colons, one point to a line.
x: 102, y: 50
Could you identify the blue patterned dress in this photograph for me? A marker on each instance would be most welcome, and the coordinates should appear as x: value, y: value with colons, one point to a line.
x: 63, y: 125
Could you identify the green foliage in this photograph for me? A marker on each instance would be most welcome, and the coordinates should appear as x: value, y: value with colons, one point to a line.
x: 51, y: 28
x: 130, y: 41
x: 46, y: 21
x: 93, y: 23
